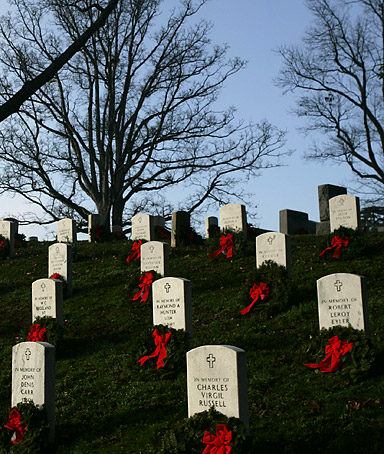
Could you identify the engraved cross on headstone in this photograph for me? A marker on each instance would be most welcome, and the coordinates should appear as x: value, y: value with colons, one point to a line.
x: 43, y: 287
x: 338, y: 285
x: 140, y: 220
x: 270, y: 240
x: 151, y: 248
x: 211, y: 359
x: 167, y: 286
x: 28, y: 353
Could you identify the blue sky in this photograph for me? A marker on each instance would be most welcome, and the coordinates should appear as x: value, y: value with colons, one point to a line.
x: 254, y: 29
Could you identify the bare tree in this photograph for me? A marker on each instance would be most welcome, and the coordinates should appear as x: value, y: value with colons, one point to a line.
x: 129, y: 116
x: 338, y: 74
x: 30, y: 87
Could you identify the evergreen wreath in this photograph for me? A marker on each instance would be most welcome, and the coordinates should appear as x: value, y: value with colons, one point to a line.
x: 186, y: 437
x: 55, y: 331
x: 187, y: 236
x: 129, y: 244
x: 35, y: 438
x: 4, y: 247
x: 239, y: 244
x: 280, y: 289
x: 174, y: 363
x: 132, y: 286
x: 20, y: 240
x: 101, y: 234
x: 355, y: 365
x: 356, y: 245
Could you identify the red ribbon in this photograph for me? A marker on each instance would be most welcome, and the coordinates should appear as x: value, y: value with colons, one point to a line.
x: 56, y: 276
x: 14, y: 424
x: 334, y: 351
x: 98, y: 232
x: 37, y: 334
x: 163, y: 232
x: 338, y: 244
x: 218, y: 444
x: 226, y: 242
x: 1, y: 242
x: 160, y: 342
x: 257, y: 291
x: 145, y: 283
x: 136, y: 254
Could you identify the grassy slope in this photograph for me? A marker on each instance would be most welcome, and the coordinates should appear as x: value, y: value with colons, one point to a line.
x: 106, y: 404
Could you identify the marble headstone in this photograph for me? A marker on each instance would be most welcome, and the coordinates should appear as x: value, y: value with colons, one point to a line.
x: 47, y: 299
x: 217, y: 377
x: 233, y: 216
x: 181, y: 223
x: 33, y: 377
x: 342, y: 301
x: 60, y: 261
x: 293, y: 222
x: 172, y: 303
x: 93, y: 221
x: 142, y: 227
x: 274, y: 246
x: 210, y: 224
x: 8, y: 231
x: 344, y: 211
x: 66, y: 231
x: 155, y: 256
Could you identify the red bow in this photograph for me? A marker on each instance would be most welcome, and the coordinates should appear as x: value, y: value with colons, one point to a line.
x: 37, y: 334
x: 257, y: 291
x: 333, y: 351
x: 226, y: 242
x: 136, y: 254
x: 160, y: 341
x: 1, y: 242
x: 14, y: 424
x: 56, y: 276
x: 337, y: 243
x: 145, y: 282
x: 218, y: 444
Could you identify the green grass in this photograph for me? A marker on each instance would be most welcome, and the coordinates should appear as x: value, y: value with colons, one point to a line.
x: 106, y: 404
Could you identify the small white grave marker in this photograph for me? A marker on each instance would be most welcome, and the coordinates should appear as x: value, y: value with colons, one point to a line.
x: 143, y: 227
x: 217, y: 377
x: 155, y: 256
x: 66, y: 231
x: 47, y: 299
x: 342, y: 301
x: 344, y: 211
x: 60, y: 261
x: 274, y: 246
x: 172, y: 303
x: 33, y: 377
x: 233, y: 217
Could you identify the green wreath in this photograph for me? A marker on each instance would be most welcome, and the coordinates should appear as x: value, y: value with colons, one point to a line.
x: 174, y: 363
x: 356, y: 245
x: 35, y: 438
x: 132, y: 286
x: 4, y: 247
x: 55, y: 331
x: 280, y: 296
x: 355, y: 364
x: 186, y: 437
x: 239, y: 244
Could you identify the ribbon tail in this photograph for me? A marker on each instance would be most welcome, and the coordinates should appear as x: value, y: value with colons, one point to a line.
x: 216, y: 253
x: 145, y: 295
x: 337, y: 253
x: 229, y: 252
x: 325, y: 250
x: 138, y: 294
x: 162, y: 356
x: 247, y: 309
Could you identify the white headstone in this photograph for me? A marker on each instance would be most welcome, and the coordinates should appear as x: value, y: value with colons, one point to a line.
x: 274, y: 246
x: 344, y: 211
x: 210, y: 224
x: 47, y: 299
x: 155, y: 256
x: 172, y: 303
x: 33, y: 377
x: 60, y: 261
x: 233, y: 217
x: 66, y: 231
x: 342, y: 301
x: 217, y: 377
x: 8, y: 231
x: 142, y: 227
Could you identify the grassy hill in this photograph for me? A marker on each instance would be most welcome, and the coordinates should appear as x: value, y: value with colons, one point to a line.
x: 106, y: 403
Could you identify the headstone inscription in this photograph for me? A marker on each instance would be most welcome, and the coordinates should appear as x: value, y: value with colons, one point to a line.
x: 155, y: 256
x: 60, y: 261
x: 274, y: 246
x: 66, y: 231
x: 342, y: 301
x: 293, y: 222
x: 33, y: 377
x: 217, y: 377
x: 344, y: 211
x: 211, y: 224
x: 8, y: 231
x: 172, y: 303
x: 233, y: 216
x: 142, y: 227
x: 181, y: 223
x: 47, y: 299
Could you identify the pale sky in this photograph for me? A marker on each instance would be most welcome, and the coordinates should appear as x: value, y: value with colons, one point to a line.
x: 253, y: 29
